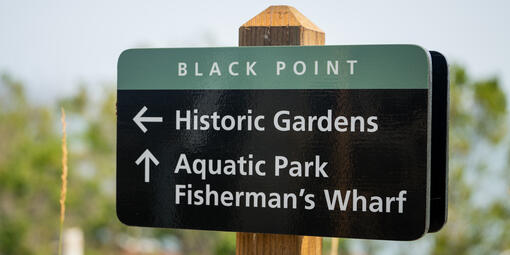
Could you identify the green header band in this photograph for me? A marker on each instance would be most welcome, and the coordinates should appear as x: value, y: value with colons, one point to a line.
x: 280, y: 67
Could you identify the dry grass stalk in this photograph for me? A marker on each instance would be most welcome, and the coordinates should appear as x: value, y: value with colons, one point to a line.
x: 63, y: 190
x: 334, y: 246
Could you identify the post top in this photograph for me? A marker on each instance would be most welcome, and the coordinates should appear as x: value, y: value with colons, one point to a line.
x: 281, y: 15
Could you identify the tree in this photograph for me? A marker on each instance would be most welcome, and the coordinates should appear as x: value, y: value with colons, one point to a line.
x: 30, y: 170
x: 479, y: 184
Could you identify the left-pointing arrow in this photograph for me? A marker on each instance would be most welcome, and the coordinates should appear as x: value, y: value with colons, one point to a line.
x: 147, y: 157
x: 138, y: 119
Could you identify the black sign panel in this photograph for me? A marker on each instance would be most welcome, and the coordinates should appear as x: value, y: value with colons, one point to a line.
x: 334, y: 183
x: 317, y: 152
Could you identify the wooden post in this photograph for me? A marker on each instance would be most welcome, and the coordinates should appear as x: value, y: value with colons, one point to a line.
x: 279, y: 25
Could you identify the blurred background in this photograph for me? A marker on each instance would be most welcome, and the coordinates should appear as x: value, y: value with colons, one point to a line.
x: 57, y: 54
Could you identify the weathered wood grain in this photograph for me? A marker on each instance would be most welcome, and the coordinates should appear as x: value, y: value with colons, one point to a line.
x: 279, y: 25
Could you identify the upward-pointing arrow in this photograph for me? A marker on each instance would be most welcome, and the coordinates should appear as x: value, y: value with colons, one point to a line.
x: 138, y: 119
x: 147, y: 157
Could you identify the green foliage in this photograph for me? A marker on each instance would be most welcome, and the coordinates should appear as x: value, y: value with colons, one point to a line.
x: 478, y: 120
x: 226, y: 244
x: 29, y: 167
x: 12, y: 237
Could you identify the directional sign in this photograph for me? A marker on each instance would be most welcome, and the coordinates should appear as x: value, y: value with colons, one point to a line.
x: 325, y: 141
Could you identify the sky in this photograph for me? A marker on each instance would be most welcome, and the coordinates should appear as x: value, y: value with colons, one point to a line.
x: 54, y: 46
